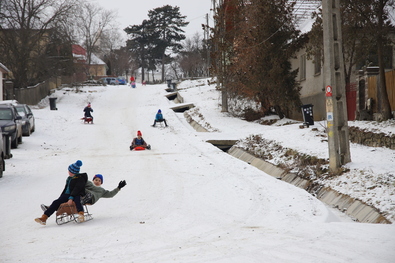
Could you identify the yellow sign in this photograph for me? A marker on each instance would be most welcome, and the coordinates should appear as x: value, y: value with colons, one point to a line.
x: 329, y: 105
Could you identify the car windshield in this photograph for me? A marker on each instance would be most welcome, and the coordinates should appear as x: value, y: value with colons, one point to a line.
x: 5, y: 114
x: 21, y: 111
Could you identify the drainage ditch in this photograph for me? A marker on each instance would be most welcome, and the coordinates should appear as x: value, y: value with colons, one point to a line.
x: 356, y: 209
x: 224, y: 145
x: 175, y: 96
x: 182, y: 108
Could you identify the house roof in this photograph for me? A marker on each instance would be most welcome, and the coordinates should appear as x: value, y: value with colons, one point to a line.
x: 79, y: 54
x: 96, y: 60
x: 3, y: 68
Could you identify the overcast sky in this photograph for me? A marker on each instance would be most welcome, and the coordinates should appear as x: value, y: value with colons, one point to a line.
x: 131, y: 12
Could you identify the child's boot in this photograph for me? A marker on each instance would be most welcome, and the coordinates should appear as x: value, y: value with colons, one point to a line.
x: 81, y: 217
x: 42, y: 220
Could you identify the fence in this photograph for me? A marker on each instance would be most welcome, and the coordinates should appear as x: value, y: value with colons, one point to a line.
x: 30, y: 95
x: 390, y: 82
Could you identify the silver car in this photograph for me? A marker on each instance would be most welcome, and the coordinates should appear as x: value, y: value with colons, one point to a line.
x: 28, y: 120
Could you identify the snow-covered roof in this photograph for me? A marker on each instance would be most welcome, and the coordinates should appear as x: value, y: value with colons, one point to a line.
x: 79, y: 53
x: 95, y: 60
x: 3, y: 68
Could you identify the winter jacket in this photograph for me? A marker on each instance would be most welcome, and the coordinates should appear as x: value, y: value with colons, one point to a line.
x: 99, y: 192
x: 88, y: 111
x: 75, y: 186
x: 159, y: 117
x: 138, y: 142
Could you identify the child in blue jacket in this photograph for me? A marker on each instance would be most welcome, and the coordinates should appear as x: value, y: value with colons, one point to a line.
x: 73, y: 189
x: 159, y: 118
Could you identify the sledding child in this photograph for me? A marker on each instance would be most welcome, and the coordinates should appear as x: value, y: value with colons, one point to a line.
x: 87, y: 112
x: 139, y: 141
x: 159, y: 118
x: 73, y: 189
x: 94, y: 191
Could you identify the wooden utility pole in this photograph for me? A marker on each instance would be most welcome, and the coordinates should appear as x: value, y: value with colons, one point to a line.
x: 206, y: 40
x: 335, y: 88
x: 220, y: 51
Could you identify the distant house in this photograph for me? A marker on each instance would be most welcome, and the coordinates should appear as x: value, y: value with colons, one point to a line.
x: 359, y: 92
x: 84, y: 71
x: 3, y: 70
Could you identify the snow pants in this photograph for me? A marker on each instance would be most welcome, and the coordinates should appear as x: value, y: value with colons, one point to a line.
x: 63, y: 198
x: 160, y: 120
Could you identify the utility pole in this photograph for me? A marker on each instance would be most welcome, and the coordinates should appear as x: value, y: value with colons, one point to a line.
x: 221, y: 81
x: 334, y: 82
x: 206, y: 40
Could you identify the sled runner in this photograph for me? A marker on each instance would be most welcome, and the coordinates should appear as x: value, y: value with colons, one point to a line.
x: 160, y: 124
x: 68, y: 213
x: 87, y: 120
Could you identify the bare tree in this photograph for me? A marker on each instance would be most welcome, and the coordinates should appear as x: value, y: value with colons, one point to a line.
x: 121, y: 62
x: 192, y: 60
x: 111, y: 50
x: 93, y: 21
x: 26, y: 29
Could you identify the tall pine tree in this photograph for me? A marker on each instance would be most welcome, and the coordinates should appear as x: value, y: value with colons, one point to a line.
x: 167, y: 22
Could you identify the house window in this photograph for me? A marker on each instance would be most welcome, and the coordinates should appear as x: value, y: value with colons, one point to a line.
x: 302, y: 68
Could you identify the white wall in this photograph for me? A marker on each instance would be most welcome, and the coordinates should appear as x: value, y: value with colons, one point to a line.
x: 1, y: 85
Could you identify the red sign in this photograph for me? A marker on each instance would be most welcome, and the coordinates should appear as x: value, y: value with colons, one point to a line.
x: 328, y: 91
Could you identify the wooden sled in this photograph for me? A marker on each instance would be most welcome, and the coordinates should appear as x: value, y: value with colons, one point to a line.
x: 67, y: 213
x: 87, y: 120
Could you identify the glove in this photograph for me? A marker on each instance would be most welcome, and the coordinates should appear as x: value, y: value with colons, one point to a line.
x: 121, y: 184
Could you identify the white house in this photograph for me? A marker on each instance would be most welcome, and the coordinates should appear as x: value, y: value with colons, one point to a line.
x: 3, y: 70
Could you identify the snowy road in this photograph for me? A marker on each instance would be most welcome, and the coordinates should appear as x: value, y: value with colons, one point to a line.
x: 185, y: 200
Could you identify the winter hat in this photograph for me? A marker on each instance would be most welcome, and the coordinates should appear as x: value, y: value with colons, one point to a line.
x: 159, y: 111
x: 75, y: 167
x: 98, y: 176
x: 139, y: 133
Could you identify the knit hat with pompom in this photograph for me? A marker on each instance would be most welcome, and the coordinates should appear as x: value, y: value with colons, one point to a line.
x: 75, y: 167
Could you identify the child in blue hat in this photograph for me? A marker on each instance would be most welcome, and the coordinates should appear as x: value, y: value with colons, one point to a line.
x: 159, y: 118
x: 73, y: 189
x: 94, y: 191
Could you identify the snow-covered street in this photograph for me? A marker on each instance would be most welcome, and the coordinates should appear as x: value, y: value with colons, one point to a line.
x: 185, y: 200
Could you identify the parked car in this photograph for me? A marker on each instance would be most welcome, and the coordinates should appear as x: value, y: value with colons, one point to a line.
x: 11, y: 123
x: 29, y: 123
x: 122, y: 81
x: 2, y: 157
x: 110, y: 81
